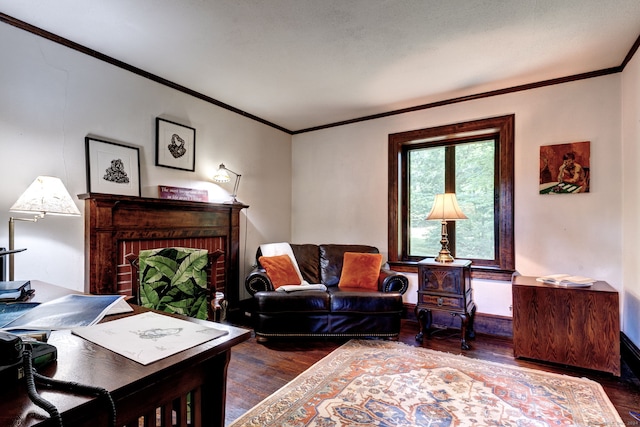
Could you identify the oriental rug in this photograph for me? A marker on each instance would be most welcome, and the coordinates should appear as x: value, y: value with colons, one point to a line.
x: 381, y: 383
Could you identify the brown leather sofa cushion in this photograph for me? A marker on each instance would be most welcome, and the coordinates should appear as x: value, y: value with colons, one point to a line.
x: 307, y: 256
x: 357, y: 300
x: 302, y: 301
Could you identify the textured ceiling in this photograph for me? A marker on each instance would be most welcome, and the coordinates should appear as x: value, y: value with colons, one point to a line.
x: 305, y: 63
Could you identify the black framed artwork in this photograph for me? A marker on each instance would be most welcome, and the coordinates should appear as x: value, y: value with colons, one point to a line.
x: 175, y: 145
x: 112, y: 168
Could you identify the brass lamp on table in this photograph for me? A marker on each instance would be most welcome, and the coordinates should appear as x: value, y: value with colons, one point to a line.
x: 445, y: 208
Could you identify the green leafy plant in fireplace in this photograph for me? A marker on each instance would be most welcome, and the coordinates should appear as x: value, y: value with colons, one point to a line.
x: 174, y: 280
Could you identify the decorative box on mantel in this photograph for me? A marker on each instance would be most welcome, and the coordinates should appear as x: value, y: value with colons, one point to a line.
x: 116, y: 226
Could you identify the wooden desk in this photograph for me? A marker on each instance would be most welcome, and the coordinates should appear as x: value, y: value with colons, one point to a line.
x: 572, y: 326
x: 136, y: 389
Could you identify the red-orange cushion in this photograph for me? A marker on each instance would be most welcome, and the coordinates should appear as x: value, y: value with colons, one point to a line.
x: 360, y: 270
x: 280, y: 270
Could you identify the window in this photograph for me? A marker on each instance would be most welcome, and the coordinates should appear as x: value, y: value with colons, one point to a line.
x: 474, y: 160
x: 467, y: 169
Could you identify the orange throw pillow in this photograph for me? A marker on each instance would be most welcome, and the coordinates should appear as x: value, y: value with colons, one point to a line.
x: 280, y: 270
x: 360, y: 270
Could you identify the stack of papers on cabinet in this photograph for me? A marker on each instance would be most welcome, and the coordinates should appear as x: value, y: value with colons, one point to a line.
x: 566, y: 280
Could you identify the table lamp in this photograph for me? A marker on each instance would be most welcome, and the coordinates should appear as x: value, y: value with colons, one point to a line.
x: 445, y: 208
x: 222, y: 175
x: 47, y: 195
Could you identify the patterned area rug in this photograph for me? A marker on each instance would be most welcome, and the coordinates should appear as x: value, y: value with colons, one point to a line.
x: 381, y: 383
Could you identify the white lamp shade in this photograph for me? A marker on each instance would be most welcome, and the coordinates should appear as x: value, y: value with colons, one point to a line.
x: 445, y: 207
x: 222, y: 175
x: 46, y: 195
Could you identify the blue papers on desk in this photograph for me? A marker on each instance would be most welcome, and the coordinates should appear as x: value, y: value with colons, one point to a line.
x: 69, y: 311
x: 10, y: 312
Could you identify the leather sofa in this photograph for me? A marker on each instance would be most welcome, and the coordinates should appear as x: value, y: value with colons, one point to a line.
x: 337, y: 311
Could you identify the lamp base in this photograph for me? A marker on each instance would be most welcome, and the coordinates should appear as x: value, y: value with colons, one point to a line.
x: 444, y: 256
x: 233, y: 201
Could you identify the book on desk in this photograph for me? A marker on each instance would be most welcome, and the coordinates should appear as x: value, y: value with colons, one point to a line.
x: 15, y: 290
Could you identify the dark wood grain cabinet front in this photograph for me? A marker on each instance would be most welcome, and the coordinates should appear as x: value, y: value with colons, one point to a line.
x: 445, y: 287
x: 571, y: 326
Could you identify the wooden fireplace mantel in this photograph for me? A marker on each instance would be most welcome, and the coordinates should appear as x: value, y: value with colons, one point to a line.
x: 113, y: 219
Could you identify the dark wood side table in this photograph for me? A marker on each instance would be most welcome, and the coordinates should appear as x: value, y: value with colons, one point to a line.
x: 571, y: 326
x: 445, y: 287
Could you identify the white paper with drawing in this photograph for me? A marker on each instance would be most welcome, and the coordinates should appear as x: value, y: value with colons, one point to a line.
x: 148, y: 337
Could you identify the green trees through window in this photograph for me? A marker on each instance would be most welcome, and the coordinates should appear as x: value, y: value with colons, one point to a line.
x: 473, y: 181
x: 474, y: 160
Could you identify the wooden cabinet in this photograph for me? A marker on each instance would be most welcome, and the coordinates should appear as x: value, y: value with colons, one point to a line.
x: 445, y: 287
x: 572, y: 326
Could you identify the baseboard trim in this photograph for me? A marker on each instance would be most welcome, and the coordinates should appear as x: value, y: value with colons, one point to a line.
x: 502, y: 326
x: 630, y: 354
x: 489, y: 324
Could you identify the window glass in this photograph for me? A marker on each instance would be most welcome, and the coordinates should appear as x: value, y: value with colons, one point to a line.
x: 475, y: 189
x: 426, y: 179
x: 471, y: 175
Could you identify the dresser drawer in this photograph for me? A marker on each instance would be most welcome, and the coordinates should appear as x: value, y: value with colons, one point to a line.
x: 440, y: 301
x: 442, y: 280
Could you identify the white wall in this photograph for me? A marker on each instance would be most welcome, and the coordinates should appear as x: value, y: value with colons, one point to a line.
x: 340, y: 182
x: 631, y: 201
x: 52, y: 97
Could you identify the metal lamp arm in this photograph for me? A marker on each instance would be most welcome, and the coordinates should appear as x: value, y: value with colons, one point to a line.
x: 12, y: 221
x: 235, y: 187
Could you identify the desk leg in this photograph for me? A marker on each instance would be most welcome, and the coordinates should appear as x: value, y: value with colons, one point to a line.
x: 214, y: 391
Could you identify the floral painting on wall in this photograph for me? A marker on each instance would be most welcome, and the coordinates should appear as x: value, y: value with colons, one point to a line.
x: 565, y: 168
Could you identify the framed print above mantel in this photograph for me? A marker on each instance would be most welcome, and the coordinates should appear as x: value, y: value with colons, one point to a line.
x: 112, y: 168
x: 175, y: 145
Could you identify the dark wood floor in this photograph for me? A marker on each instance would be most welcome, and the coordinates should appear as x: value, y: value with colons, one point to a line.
x: 258, y: 370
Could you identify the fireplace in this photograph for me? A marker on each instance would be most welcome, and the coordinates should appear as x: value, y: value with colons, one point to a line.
x: 116, y: 226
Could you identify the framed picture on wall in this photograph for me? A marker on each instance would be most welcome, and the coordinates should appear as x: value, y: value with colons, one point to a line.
x: 112, y: 168
x: 565, y: 168
x: 175, y: 145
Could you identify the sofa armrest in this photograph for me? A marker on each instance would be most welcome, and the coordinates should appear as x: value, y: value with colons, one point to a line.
x: 257, y: 281
x: 392, y: 281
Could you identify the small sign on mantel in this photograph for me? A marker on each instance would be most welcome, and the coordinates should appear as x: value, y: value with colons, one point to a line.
x: 180, y: 193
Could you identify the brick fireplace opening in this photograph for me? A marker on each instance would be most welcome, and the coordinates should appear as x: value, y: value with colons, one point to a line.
x: 125, y: 272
